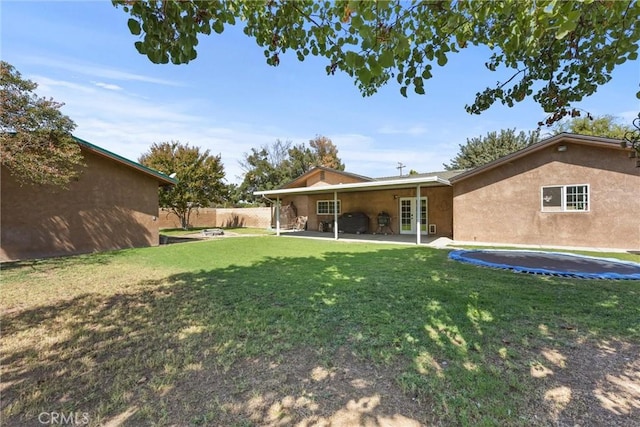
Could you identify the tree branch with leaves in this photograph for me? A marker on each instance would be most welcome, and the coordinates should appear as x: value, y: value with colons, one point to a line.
x: 556, y: 52
x: 36, y: 144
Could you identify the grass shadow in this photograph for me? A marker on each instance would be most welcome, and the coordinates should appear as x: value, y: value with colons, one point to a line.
x: 56, y: 262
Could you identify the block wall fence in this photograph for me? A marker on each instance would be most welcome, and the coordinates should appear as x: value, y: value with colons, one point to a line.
x: 220, y: 217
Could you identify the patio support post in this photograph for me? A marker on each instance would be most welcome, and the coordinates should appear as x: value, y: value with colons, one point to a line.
x: 335, y: 215
x: 277, y: 215
x: 418, y: 213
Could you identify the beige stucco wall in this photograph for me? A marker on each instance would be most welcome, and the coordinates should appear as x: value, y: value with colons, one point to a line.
x: 331, y: 178
x: 110, y: 206
x: 323, y: 177
x: 439, y: 206
x: 503, y: 205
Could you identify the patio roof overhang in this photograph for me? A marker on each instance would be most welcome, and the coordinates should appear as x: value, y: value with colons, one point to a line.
x: 384, y: 184
x: 388, y: 184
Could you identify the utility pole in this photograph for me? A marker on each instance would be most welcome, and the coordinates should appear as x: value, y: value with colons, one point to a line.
x: 400, y: 166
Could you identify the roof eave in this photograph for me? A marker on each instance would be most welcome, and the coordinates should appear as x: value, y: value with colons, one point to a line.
x: 358, y: 186
x: 322, y: 168
x: 159, y: 176
x: 562, y: 137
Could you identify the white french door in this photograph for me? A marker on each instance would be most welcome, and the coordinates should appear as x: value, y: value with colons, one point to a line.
x: 408, y: 215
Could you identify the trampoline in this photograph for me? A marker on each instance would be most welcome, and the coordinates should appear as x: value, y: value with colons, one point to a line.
x: 551, y: 263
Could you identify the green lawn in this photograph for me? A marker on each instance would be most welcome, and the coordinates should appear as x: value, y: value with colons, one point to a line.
x: 279, y: 331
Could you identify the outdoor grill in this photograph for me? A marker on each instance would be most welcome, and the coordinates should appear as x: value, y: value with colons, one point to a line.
x: 384, y: 221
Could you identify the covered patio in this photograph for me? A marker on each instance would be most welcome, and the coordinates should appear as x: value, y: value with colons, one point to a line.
x: 405, y: 196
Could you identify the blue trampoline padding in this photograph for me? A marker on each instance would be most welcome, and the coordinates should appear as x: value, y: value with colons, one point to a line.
x: 551, y: 263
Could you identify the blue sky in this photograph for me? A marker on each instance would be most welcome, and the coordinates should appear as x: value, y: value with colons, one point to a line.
x: 229, y: 101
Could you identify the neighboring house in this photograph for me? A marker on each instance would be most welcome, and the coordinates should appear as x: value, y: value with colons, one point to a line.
x: 113, y: 204
x: 567, y: 190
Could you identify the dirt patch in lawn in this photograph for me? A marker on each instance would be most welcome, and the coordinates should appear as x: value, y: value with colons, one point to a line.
x: 303, y: 388
x: 591, y: 384
x: 583, y: 385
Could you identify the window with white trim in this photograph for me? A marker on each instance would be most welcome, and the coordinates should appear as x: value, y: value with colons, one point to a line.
x: 565, y: 198
x: 326, y: 207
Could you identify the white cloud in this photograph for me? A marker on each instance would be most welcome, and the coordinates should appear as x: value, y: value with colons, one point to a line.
x: 108, y: 86
x: 131, y: 138
x: 627, y: 117
x: 354, y: 141
x: 373, y: 157
x: 96, y: 71
x: 413, y: 130
x: 49, y: 86
x: 128, y: 124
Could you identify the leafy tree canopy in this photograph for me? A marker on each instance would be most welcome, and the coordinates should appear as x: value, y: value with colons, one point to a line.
x: 199, y: 177
x: 606, y: 126
x: 557, y: 52
x: 325, y: 153
x: 272, y: 166
x: 481, y: 150
x: 264, y: 168
x: 320, y: 152
x: 36, y: 144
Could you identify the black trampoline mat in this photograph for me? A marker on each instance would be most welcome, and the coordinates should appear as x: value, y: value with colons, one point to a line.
x: 550, y: 263
x: 556, y: 262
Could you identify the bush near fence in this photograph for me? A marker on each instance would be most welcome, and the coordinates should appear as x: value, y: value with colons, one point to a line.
x: 219, y: 217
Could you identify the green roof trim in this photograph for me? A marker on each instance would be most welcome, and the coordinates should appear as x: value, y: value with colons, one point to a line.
x: 165, y: 179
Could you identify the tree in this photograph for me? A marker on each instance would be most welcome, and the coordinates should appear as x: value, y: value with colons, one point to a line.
x: 272, y: 166
x: 557, y: 52
x: 235, y: 198
x: 325, y: 153
x: 36, y: 144
x: 606, y: 126
x: 199, y: 177
x: 264, y: 169
x: 481, y: 150
x: 320, y: 152
x: 301, y: 160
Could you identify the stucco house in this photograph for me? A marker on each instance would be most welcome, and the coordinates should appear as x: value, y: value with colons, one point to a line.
x: 567, y: 190
x: 113, y: 204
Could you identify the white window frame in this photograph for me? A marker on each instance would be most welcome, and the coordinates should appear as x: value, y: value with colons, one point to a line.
x: 564, y: 206
x: 329, y: 205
